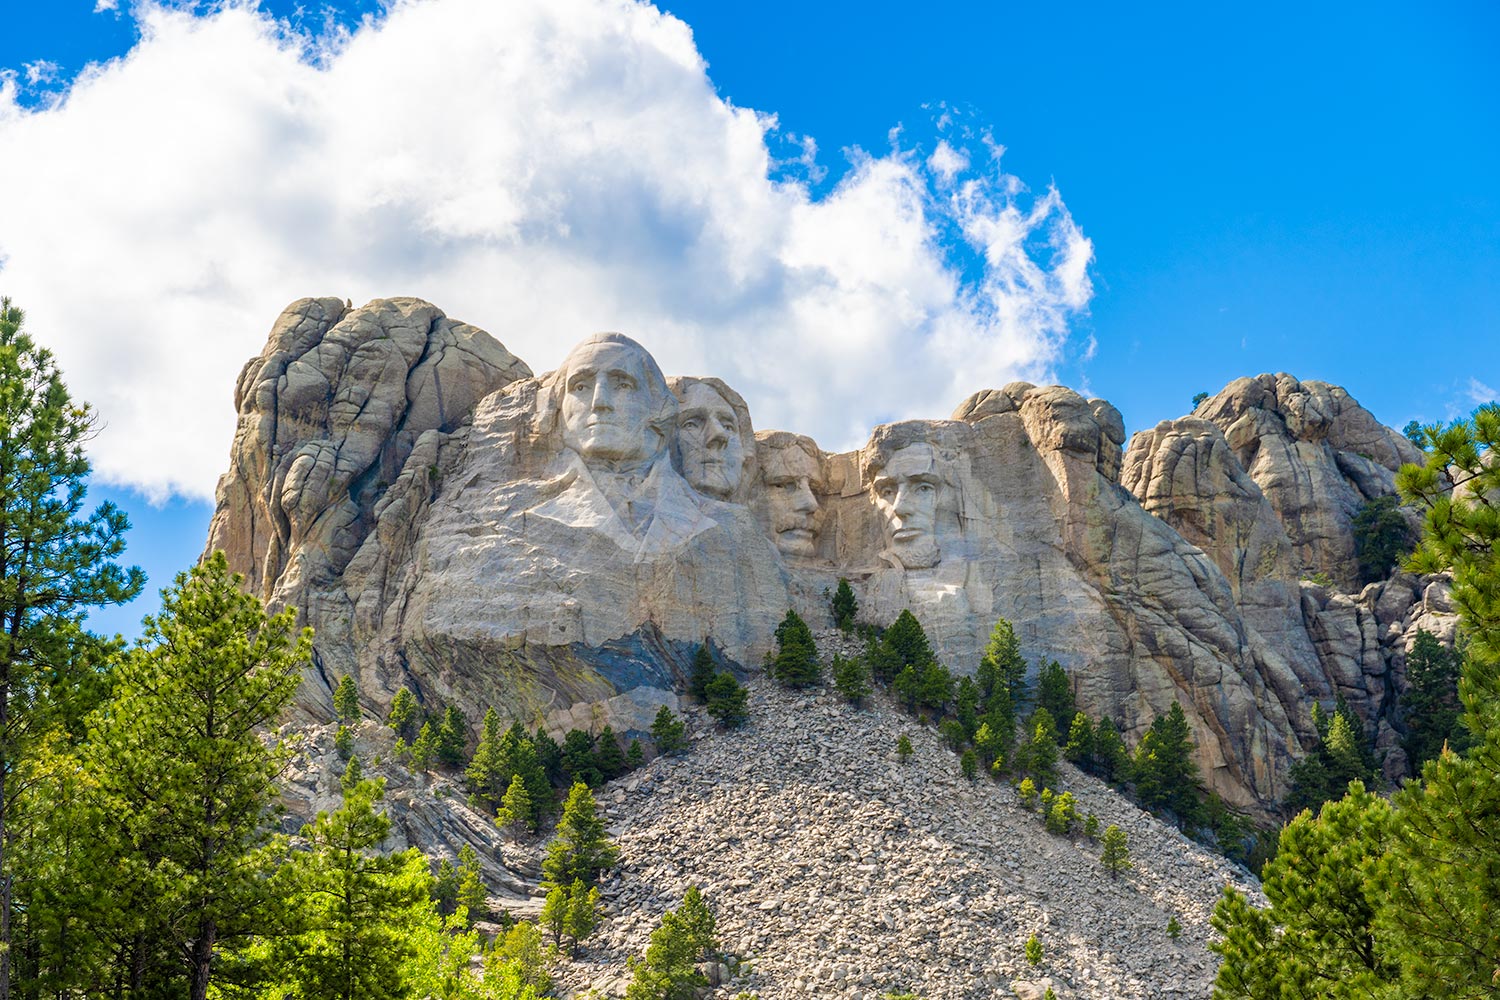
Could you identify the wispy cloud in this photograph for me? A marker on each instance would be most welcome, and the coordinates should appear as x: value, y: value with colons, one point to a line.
x: 1481, y: 393
x: 540, y: 169
x: 101, y: 6
x: 40, y: 72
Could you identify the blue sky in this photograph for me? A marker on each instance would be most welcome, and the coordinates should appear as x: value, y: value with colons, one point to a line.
x: 1277, y: 187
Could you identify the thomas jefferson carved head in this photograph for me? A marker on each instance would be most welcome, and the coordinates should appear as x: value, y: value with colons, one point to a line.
x: 714, y: 440
x: 612, y: 403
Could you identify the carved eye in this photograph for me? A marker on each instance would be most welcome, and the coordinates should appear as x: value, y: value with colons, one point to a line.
x: 580, y: 383
x: 926, y: 487
x: 692, y: 423
x: 886, y: 493
x: 623, y: 382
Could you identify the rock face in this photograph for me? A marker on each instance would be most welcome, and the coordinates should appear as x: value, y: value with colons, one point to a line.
x: 557, y: 547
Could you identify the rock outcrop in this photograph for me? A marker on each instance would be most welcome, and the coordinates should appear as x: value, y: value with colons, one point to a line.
x: 557, y: 547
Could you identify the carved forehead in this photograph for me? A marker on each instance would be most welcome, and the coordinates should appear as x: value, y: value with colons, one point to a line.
x: 702, y: 396
x: 915, y: 461
x: 788, y: 462
x: 631, y: 358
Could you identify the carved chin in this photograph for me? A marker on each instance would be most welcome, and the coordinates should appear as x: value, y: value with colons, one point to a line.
x: 711, y: 479
x: 797, y: 542
x: 917, y: 553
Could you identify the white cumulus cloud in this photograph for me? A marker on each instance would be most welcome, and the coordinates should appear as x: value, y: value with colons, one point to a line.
x: 540, y: 168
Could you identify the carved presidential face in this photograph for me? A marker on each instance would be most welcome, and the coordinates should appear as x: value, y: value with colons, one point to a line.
x: 608, y: 403
x: 708, y: 438
x: 906, y: 492
x: 790, y: 475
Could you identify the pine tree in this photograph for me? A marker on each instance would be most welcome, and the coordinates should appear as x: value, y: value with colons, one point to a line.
x: 635, y: 756
x: 452, y: 738
x: 346, y: 700
x: 727, y: 700
x: 669, y: 970
x: 548, y: 758
x: 578, y: 758
x: 668, y: 732
x: 1026, y: 794
x: 968, y: 763
x: 608, y: 757
x: 852, y: 678
x: 516, y: 809
x: 353, y: 774
x: 55, y: 566
x: 343, y: 742
x: 904, y: 748
x: 487, y: 774
x: 354, y: 907
x: 702, y: 673
x: 445, y: 887
x: 845, y: 606
x: 582, y: 916
x: 581, y: 849
x: 1055, y: 693
x: 1320, y: 927
x: 1166, y: 778
x: 1111, y: 762
x: 1038, y: 755
x: 182, y: 765
x: 1002, y: 661
x: 403, y: 714
x: 966, y: 706
x: 1116, y: 854
x: 1091, y: 827
x: 1431, y: 706
x: 424, y: 751
x: 907, y: 640
x: 1062, y: 815
x: 473, y: 894
x: 796, y: 664
x: 1033, y: 950
x: 1080, y: 746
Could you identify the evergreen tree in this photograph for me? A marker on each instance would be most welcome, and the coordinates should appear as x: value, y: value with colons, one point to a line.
x: 1002, y: 661
x: 1055, y: 693
x: 1000, y: 717
x: 1381, y: 537
x: 1026, y: 794
x: 444, y: 886
x: 907, y: 640
x: 968, y: 763
x: 1033, y: 950
x: 548, y: 758
x: 669, y: 970
x: 424, y: 751
x: 608, y: 757
x: 1166, y: 778
x: 487, y: 771
x: 796, y: 664
x: 581, y: 849
x: 578, y: 758
x: 635, y: 757
x: 1091, y: 827
x: 952, y: 732
x: 583, y: 914
x: 885, y: 662
x: 727, y: 700
x: 346, y: 700
x: 845, y: 606
x: 1038, y: 755
x: 702, y: 674
x: 55, y: 566
x: 1319, y: 931
x: 403, y: 715
x: 353, y: 774
x: 986, y: 744
x: 184, y: 772
x: 1111, y: 761
x: 1431, y: 704
x: 935, y: 685
x: 1338, y: 759
x: 353, y: 906
x: 904, y: 749
x: 473, y: 894
x: 668, y: 732
x: 1062, y: 815
x: 966, y: 706
x: 343, y: 742
x: 516, y: 809
x: 852, y: 678
x: 1116, y: 853
x: 1080, y: 746
x: 452, y: 738
x: 907, y: 687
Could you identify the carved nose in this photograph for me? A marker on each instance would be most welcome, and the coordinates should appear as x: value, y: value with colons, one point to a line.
x: 806, y: 502
x: 904, y: 506
x: 603, y: 399
x: 718, y: 437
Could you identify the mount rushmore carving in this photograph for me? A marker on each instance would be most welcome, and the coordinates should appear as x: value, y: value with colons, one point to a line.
x: 558, y: 546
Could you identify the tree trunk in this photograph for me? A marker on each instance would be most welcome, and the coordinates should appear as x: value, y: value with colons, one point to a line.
x: 203, y: 954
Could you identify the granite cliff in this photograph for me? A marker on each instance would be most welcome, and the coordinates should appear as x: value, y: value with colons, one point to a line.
x: 558, y: 546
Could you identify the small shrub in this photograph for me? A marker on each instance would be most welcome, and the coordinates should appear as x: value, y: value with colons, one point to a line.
x: 904, y: 749
x: 1174, y: 929
x: 1033, y: 950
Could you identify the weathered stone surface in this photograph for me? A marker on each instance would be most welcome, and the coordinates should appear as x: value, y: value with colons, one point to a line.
x: 1316, y: 454
x: 557, y: 547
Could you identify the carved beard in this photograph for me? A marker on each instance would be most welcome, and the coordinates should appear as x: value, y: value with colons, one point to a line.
x: 923, y: 553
